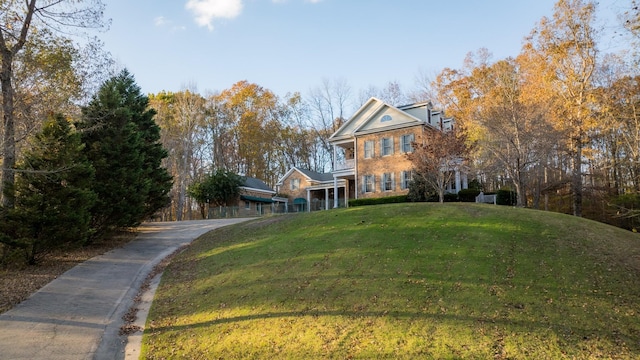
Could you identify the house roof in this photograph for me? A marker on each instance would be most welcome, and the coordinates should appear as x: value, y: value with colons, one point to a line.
x: 256, y: 199
x: 309, y: 174
x: 376, y: 115
x: 317, y: 176
x: 257, y: 184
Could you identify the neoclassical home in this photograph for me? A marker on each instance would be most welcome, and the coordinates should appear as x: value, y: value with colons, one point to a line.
x: 369, y: 153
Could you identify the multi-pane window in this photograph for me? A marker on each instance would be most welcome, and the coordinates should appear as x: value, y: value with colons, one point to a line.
x: 406, y: 177
x: 295, y: 184
x: 368, y: 149
x: 387, y: 182
x: 368, y: 183
x: 386, y: 145
x: 406, y: 141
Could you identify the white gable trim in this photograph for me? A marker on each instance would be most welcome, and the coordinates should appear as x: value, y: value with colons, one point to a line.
x: 355, y: 116
x: 258, y: 190
x: 375, y: 106
x: 288, y: 173
x: 413, y: 121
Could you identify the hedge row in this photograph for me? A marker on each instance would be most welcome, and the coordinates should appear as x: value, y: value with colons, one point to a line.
x: 504, y: 197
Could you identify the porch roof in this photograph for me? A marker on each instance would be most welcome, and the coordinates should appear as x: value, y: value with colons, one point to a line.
x: 256, y: 199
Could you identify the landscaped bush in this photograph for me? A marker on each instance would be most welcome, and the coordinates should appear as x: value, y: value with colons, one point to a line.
x: 378, y: 201
x: 468, y: 195
x: 448, y: 197
x: 506, y: 197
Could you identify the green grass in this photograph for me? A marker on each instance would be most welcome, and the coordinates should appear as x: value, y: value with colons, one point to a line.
x: 403, y: 281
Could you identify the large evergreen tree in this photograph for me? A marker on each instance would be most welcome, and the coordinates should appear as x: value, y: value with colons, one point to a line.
x: 52, y: 193
x: 122, y: 143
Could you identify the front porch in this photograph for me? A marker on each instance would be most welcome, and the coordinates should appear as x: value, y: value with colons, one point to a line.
x: 327, y: 195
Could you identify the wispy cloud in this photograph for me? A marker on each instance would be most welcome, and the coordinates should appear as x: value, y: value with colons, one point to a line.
x: 161, y: 21
x: 205, y: 11
x: 285, y: 1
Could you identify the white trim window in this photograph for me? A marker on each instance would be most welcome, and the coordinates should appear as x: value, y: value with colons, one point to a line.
x: 368, y: 183
x: 368, y: 149
x: 388, y: 183
x: 405, y: 179
x: 405, y: 143
x: 294, y: 184
x: 386, y: 146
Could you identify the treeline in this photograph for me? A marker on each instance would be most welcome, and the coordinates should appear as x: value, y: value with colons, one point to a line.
x: 559, y: 123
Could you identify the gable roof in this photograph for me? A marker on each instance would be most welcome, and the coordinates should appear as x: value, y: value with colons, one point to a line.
x: 317, y: 176
x: 257, y: 184
x: 309, y: 174
x: 376, y: 115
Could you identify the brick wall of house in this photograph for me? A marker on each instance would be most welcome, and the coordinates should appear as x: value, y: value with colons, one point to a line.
x: 300, y: 192
x: 252, y: 209
x: 378, y: 165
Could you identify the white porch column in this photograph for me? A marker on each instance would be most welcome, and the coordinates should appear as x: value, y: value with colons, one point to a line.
x: 465, y: 181
x: 308, y: 200
x: 333, y: 160
x: 458, y: 180
x: 335, y: 192
x: 326, y: 199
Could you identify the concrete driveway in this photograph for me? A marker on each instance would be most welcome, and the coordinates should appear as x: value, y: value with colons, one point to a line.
x: 78, y: 315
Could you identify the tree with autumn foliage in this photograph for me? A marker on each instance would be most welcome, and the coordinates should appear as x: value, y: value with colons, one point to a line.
x: 565, y: 45
x: 511, y: 133
x: 250, y: 113
x: 437, y: 157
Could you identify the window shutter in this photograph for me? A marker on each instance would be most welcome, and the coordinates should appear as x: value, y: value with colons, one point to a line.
x: 373, y: 183
x: 364, y: 184
x: 391, y: 143
x: 393, y: 181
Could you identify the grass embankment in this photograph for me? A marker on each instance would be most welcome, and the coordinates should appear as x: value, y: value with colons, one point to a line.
x: 403, y: 281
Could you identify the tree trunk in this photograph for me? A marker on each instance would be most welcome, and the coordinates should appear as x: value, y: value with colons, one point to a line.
x: 576, y: 178
x: 9, y: 145
x: 181, y: 199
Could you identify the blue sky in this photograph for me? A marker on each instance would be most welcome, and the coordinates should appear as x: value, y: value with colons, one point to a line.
x: 292, y: 45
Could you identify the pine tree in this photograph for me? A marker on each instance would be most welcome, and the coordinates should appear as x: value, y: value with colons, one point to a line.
x: 52, y: 193
x: 122, y: 143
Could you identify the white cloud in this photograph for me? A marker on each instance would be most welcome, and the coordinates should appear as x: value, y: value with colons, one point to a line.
x: 163, y: 22
x: 307, y: 1
x: 207, y: 10
x: 160, y: 21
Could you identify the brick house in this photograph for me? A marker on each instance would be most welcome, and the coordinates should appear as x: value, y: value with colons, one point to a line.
x: 369, y: 152
x: 309, y: 190
x: 257, y: 198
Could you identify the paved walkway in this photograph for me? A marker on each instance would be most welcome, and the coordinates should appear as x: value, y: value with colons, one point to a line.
x: 78, y: 315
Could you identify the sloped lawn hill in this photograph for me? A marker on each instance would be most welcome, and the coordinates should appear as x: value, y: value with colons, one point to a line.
x: 403, y: 281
